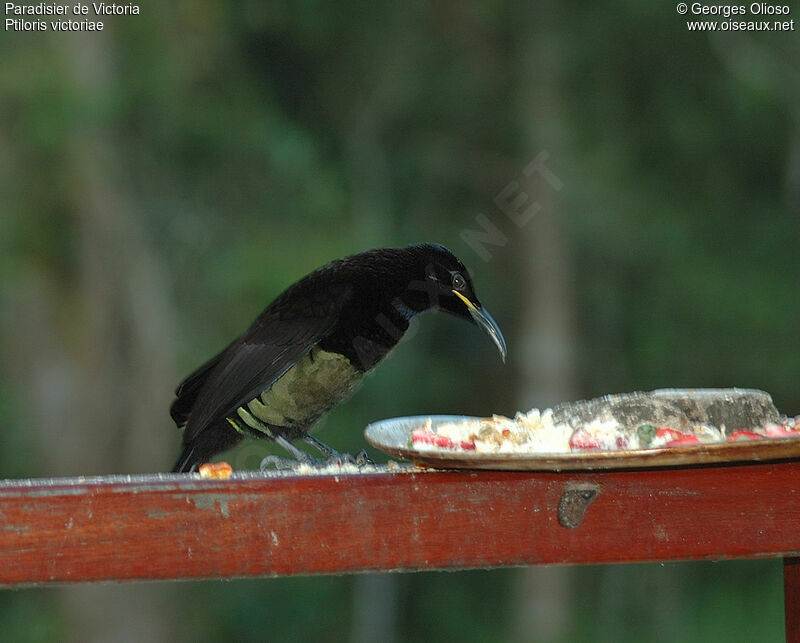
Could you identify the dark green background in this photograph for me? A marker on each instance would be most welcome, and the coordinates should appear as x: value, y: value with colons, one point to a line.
x: 162, y: 180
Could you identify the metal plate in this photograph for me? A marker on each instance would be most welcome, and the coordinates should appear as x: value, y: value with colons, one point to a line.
x: 393, y: 436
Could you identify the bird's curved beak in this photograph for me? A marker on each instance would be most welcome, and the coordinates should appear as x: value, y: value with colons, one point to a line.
x: 487, y: 324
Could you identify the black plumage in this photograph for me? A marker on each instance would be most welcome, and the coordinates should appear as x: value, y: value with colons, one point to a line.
x: 309, y: 348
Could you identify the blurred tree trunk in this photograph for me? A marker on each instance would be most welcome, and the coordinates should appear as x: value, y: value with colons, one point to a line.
x: 542, y: 595
x: 374, y: 609
x: 95, y: 351
x: 547, y: 350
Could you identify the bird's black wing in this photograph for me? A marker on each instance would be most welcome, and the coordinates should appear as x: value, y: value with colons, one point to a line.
x: 188, y: 390
x: 286, y: 331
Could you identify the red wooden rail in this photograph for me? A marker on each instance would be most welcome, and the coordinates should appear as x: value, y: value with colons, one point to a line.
x: 178, y: 526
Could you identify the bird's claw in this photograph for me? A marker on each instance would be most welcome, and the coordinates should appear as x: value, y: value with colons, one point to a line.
x: 360, y: 459
x: 363, y: 459
x: 331, y: 458
x: 280, y: 464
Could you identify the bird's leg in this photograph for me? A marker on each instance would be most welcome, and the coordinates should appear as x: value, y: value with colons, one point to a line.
x: 323, y: 448
x: 280, y: 464
x: 332, y: 456
x: 300, y: 457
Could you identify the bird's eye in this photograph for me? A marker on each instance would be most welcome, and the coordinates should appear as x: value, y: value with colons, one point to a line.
x: 458, y: 281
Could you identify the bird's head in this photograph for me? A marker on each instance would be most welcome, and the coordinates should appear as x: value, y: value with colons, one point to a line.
x: 446, y: 285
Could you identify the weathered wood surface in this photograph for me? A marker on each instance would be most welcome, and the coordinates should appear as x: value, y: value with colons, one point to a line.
x: 178, y: 526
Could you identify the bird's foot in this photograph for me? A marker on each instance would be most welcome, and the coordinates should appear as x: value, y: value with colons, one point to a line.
x: 332, y: 456
x: 284, y: 464
x: 360, y: 459
x: 335, y: 458
x: 302, y: 460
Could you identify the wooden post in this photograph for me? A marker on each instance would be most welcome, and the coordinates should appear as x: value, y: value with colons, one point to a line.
x: 791, y: 598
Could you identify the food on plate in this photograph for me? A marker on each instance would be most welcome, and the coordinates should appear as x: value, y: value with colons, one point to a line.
x: 548, y: 432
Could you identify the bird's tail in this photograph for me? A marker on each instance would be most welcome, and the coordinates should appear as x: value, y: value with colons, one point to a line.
x: 187, y: 461
x: 209, y: 442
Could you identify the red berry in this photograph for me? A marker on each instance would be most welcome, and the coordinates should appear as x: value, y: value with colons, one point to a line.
x: 670, y: 434
x: 779, y: 431
x: 429, y: 437
x: 582, y: 441
x: 685, y: 440
x: 741, y: 434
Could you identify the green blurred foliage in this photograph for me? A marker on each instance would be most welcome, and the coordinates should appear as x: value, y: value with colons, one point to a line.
x: 255, y: 141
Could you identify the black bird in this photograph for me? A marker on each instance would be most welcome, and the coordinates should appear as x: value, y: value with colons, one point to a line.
x: 312, y: 345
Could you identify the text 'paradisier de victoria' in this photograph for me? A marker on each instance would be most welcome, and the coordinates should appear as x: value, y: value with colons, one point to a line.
x: 16, y: 14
